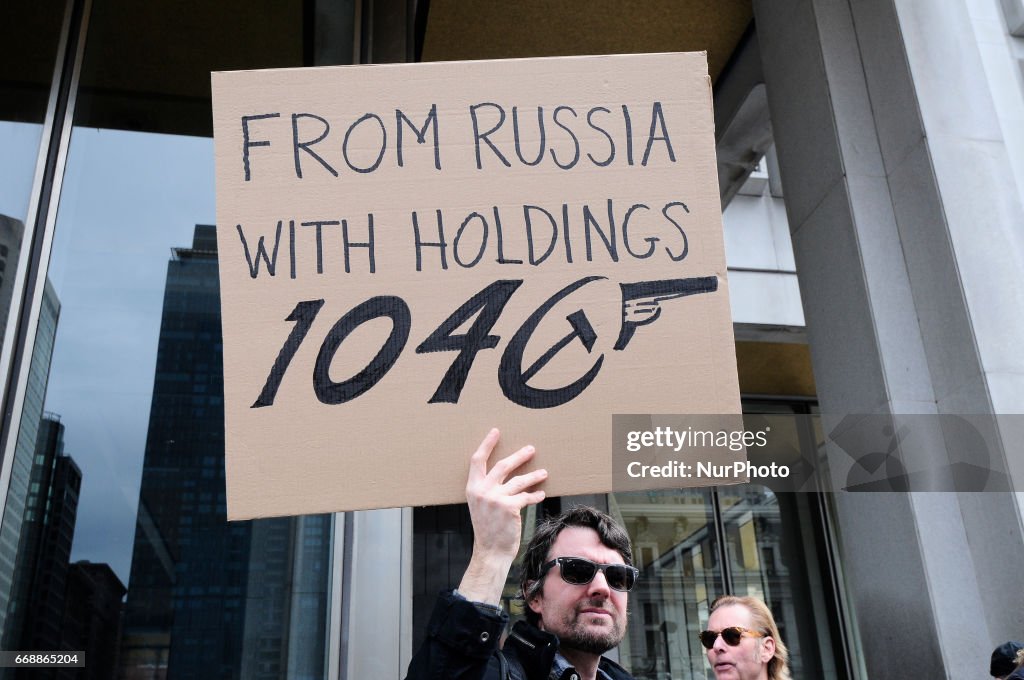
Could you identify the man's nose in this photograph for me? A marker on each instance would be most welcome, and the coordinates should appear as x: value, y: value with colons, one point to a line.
x: 599, y: 585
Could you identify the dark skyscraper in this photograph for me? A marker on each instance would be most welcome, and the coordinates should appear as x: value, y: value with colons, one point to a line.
x: 92, y: 620
x: 208, y: 598
x: 51, y: 515
x: 12, y: 563
x: 186, y: 594
x: 36, y: 608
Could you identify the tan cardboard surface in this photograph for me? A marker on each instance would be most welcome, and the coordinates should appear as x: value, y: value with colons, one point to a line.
x: 628, y: 157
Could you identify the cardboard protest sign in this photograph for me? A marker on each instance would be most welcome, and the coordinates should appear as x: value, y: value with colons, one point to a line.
x: 412, y: 254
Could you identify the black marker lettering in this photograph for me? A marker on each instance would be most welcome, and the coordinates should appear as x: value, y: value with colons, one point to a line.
x: 296, y: 144
x: 679, y: 228
x: 477, y: 136
x: 320, y: 241
x: 303, y: 316
x: 368, y: 244
x: 611, y: 142
x: 383, y: 144
x: 261, y: 252
x: 421, y: 134
x: 395, y: 308
x: 500, y: 239
x: 440, y: 243
x: 651, y: 240
x: 565, y: 232
x: 489, y: 303
x: 247, y: 143
x: 540, y: 128
x: 609, y: 241
x: 291, y: 246
x: 658, y: 120
x: 534, y: 260
x: 458, y: 237
x: 575, y: 141
x: 629, y: 134
x: 513, y: 379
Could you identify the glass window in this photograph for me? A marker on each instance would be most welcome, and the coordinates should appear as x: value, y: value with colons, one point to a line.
x: 676, y: 548
x: 442, y: 545
x: 771, y: 546
x: 125, y: 395
x: 774, y: 547
x: 29, y: 34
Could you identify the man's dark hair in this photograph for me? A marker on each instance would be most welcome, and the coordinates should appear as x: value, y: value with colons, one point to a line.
x: 608, y: 530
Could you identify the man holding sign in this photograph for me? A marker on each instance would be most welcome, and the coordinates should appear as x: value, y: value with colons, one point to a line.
x: 576, y: 576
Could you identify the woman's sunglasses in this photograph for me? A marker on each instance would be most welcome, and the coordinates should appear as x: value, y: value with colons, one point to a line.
x: 578, y: 571
x: 731, y: 636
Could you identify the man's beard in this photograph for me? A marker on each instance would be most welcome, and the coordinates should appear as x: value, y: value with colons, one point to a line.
x: 579, y: 636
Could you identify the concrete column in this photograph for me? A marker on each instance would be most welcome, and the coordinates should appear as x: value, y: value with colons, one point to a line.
x: 906, y: 224
x: 377, y: 637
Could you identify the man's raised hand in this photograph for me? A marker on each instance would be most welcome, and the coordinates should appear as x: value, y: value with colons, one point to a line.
x: 495, y: 499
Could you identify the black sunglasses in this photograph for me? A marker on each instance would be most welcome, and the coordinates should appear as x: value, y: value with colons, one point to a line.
x: 731, y: 636
x: 578, y: 571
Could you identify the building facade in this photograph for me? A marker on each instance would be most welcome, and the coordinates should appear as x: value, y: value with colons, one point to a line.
x: 871, y: 167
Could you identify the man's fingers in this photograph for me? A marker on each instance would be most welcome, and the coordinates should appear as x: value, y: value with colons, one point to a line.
x: 528, y: 498
x: 504, y: 467
x: 478, y: 461
x: 523, y: 482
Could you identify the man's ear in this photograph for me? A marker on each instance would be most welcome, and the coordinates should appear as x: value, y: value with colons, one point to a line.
x: 767, y: 649
x: 532, y: 600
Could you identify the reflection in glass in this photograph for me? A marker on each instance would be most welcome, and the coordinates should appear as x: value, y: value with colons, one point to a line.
x: 676, y: 548
x: 770, y: 560
x: 20, y: 144
x: 207, y: 597
x: 187, y: 581
x: 442, y: 546
x: 47, y: 533
x: 11, y: 232
x: 693, y: 545
x: 29, y: 34
x: 136, y: 375
x: 126, y: 364
x: 22, y: 529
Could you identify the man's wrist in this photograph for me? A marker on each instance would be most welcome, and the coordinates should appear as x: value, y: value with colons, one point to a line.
x: 484, y: 580
x: 482, y: 606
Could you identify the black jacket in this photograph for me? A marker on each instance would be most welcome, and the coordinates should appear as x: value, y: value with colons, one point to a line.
x: 462, y: 644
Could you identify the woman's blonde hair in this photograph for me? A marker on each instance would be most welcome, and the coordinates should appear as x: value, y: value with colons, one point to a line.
x: 778, y: 665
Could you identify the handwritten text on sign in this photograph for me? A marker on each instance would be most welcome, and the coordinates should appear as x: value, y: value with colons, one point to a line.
x: 422, y: 227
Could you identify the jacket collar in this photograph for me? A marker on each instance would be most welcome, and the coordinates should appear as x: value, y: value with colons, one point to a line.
x: 534, y: 648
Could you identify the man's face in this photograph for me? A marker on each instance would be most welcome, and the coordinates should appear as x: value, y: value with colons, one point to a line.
x: 590, y: 618
x: 746, y: 661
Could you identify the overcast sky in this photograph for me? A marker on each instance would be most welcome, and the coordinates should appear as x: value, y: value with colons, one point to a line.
x: 128, y: 198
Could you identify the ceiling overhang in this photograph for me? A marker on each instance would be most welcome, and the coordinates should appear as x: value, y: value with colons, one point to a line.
x: 458, y: 30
